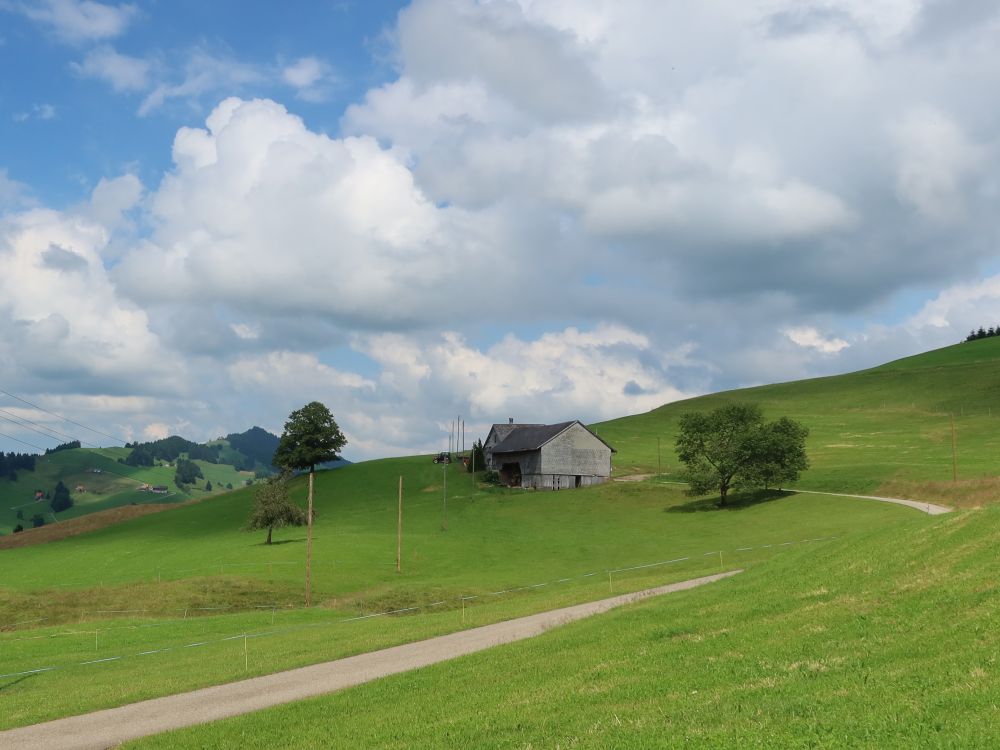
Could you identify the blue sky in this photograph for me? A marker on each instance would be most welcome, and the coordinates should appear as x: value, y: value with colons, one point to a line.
x: 212, y: 213
x: 56, y: 120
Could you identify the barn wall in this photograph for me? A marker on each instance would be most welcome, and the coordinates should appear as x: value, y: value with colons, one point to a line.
x: 529, y: 461
x: 576, y: 452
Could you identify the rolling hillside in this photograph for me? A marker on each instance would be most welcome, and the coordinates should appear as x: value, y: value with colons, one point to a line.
x: 107, y: 483
x: 885, y: 430
x: 884, y: 639
x: 156, y: 602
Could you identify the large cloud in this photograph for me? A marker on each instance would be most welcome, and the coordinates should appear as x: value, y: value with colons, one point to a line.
x: 557, y: 209
x: 266, y: 216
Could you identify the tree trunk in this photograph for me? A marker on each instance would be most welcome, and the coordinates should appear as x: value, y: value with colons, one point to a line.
x: 309, y: 539
x: 269, y: 529
x: 723, y: 491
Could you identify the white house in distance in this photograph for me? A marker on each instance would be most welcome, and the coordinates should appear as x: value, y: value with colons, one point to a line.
x: 547, y: 456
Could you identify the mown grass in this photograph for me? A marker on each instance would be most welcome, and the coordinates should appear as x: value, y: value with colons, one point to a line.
x: 885, y: 638
x: 889, y: 424
x: 495, y: 540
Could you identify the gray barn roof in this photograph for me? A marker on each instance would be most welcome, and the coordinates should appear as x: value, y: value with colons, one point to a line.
x: 503, y: 429
x: 533, y: 437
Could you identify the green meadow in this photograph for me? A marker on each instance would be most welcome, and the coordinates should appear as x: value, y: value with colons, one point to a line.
x: 838, y: 593
x: 177, y: 567
x: 887, y: 429
x: 886, y: 638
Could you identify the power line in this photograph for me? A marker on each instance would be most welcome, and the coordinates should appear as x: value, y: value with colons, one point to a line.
x: 40, y: 428
x: 24, y: 442
x: 60, y: 416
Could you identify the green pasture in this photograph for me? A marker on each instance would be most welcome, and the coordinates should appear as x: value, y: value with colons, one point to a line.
x: 888, y: 424
x: 177, y: 565
x: 112, y: 485
x: 885, y: 638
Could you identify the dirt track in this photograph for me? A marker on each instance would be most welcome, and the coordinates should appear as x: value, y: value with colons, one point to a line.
x: 108, y: 728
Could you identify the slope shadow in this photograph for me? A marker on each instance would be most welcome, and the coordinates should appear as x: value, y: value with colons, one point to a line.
x: 736, y: 501
x: 12, y: 683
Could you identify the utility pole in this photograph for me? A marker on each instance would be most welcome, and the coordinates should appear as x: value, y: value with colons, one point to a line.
x: 444, y: 520
x: 309, y: 540
x: 954, y: 455
x: 399, y: 529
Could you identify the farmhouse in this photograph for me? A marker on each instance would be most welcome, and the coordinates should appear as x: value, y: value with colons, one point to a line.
x: 547, y: 456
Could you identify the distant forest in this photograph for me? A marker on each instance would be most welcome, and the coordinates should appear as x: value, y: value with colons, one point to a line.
x: 257, y: 446
x: 983, y: 333
x: 168, y: 449
x: 11, y: 463
x: 256, y: 443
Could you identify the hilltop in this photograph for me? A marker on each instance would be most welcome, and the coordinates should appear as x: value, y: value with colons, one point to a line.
x: 886, y: 430
x: 100, y: 479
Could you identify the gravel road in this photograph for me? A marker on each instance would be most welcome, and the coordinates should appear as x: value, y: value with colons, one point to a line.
x: 113, y: 726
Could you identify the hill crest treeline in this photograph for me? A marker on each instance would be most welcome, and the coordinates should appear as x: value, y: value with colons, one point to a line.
x: 983, y: 333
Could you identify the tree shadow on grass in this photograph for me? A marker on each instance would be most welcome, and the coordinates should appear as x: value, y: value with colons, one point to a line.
x: 276, y: 542
x: 736, y: 501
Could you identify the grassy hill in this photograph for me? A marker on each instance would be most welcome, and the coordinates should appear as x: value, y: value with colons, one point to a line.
x: 887, y: 429
x: 174, y: 564
x: 107, y: 483
x: 884, y: 639
x: 167, y: 597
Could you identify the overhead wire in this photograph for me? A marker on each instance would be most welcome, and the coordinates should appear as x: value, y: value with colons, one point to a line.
x: 64, y: 418
x: 57, y: 434
x: 23, y: 442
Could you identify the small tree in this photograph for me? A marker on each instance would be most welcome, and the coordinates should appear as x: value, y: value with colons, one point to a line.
x: 61, y: 499
x: 732, y: 447
x: 18, y: 529
x: 477, y: 461
x: 311, y: 437
x: 208, y: 486
x: 274, y: 508
x: 37, y: 521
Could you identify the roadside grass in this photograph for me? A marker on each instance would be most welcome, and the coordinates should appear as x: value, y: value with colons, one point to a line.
x: 887, y: 426
x: 196, y: 557
x: 885, y: 638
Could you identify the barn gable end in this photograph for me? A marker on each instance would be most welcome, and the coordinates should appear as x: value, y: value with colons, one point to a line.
x: 556, y: 456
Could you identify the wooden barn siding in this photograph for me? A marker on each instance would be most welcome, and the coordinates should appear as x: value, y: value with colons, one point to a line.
x: 575, y: 452
x: 530, y: 461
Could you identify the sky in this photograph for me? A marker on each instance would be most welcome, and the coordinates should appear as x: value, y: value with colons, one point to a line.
x: 214, y: 213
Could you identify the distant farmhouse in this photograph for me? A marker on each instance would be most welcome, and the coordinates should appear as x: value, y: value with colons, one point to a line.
x: 547, y: 456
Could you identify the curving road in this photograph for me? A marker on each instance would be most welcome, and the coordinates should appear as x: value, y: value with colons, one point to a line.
x: 113, y: 726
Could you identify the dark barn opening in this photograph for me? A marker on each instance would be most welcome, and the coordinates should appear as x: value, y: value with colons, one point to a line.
x: 510, y: 474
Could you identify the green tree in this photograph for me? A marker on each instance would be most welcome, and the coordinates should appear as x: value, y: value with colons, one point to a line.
x: 274, y: 508
x: 18, y: 529
x: 311, y: 437
x: 187, y: 472
x: 732, y: 447
x: 61, y: 499
x: 208, y: 486
x: 37, y: 521
x: 477, y: 460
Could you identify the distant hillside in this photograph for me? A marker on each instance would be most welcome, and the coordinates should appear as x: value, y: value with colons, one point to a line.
x: 886, y: 429
x: 256, y: 443
x: 170, y: 470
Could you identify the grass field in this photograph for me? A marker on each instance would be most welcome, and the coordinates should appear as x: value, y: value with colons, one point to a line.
x: 161, y: 603
x: 197, y: 557
x: 110, y: 486
x: 887, y: 429
x: 887, y: 638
